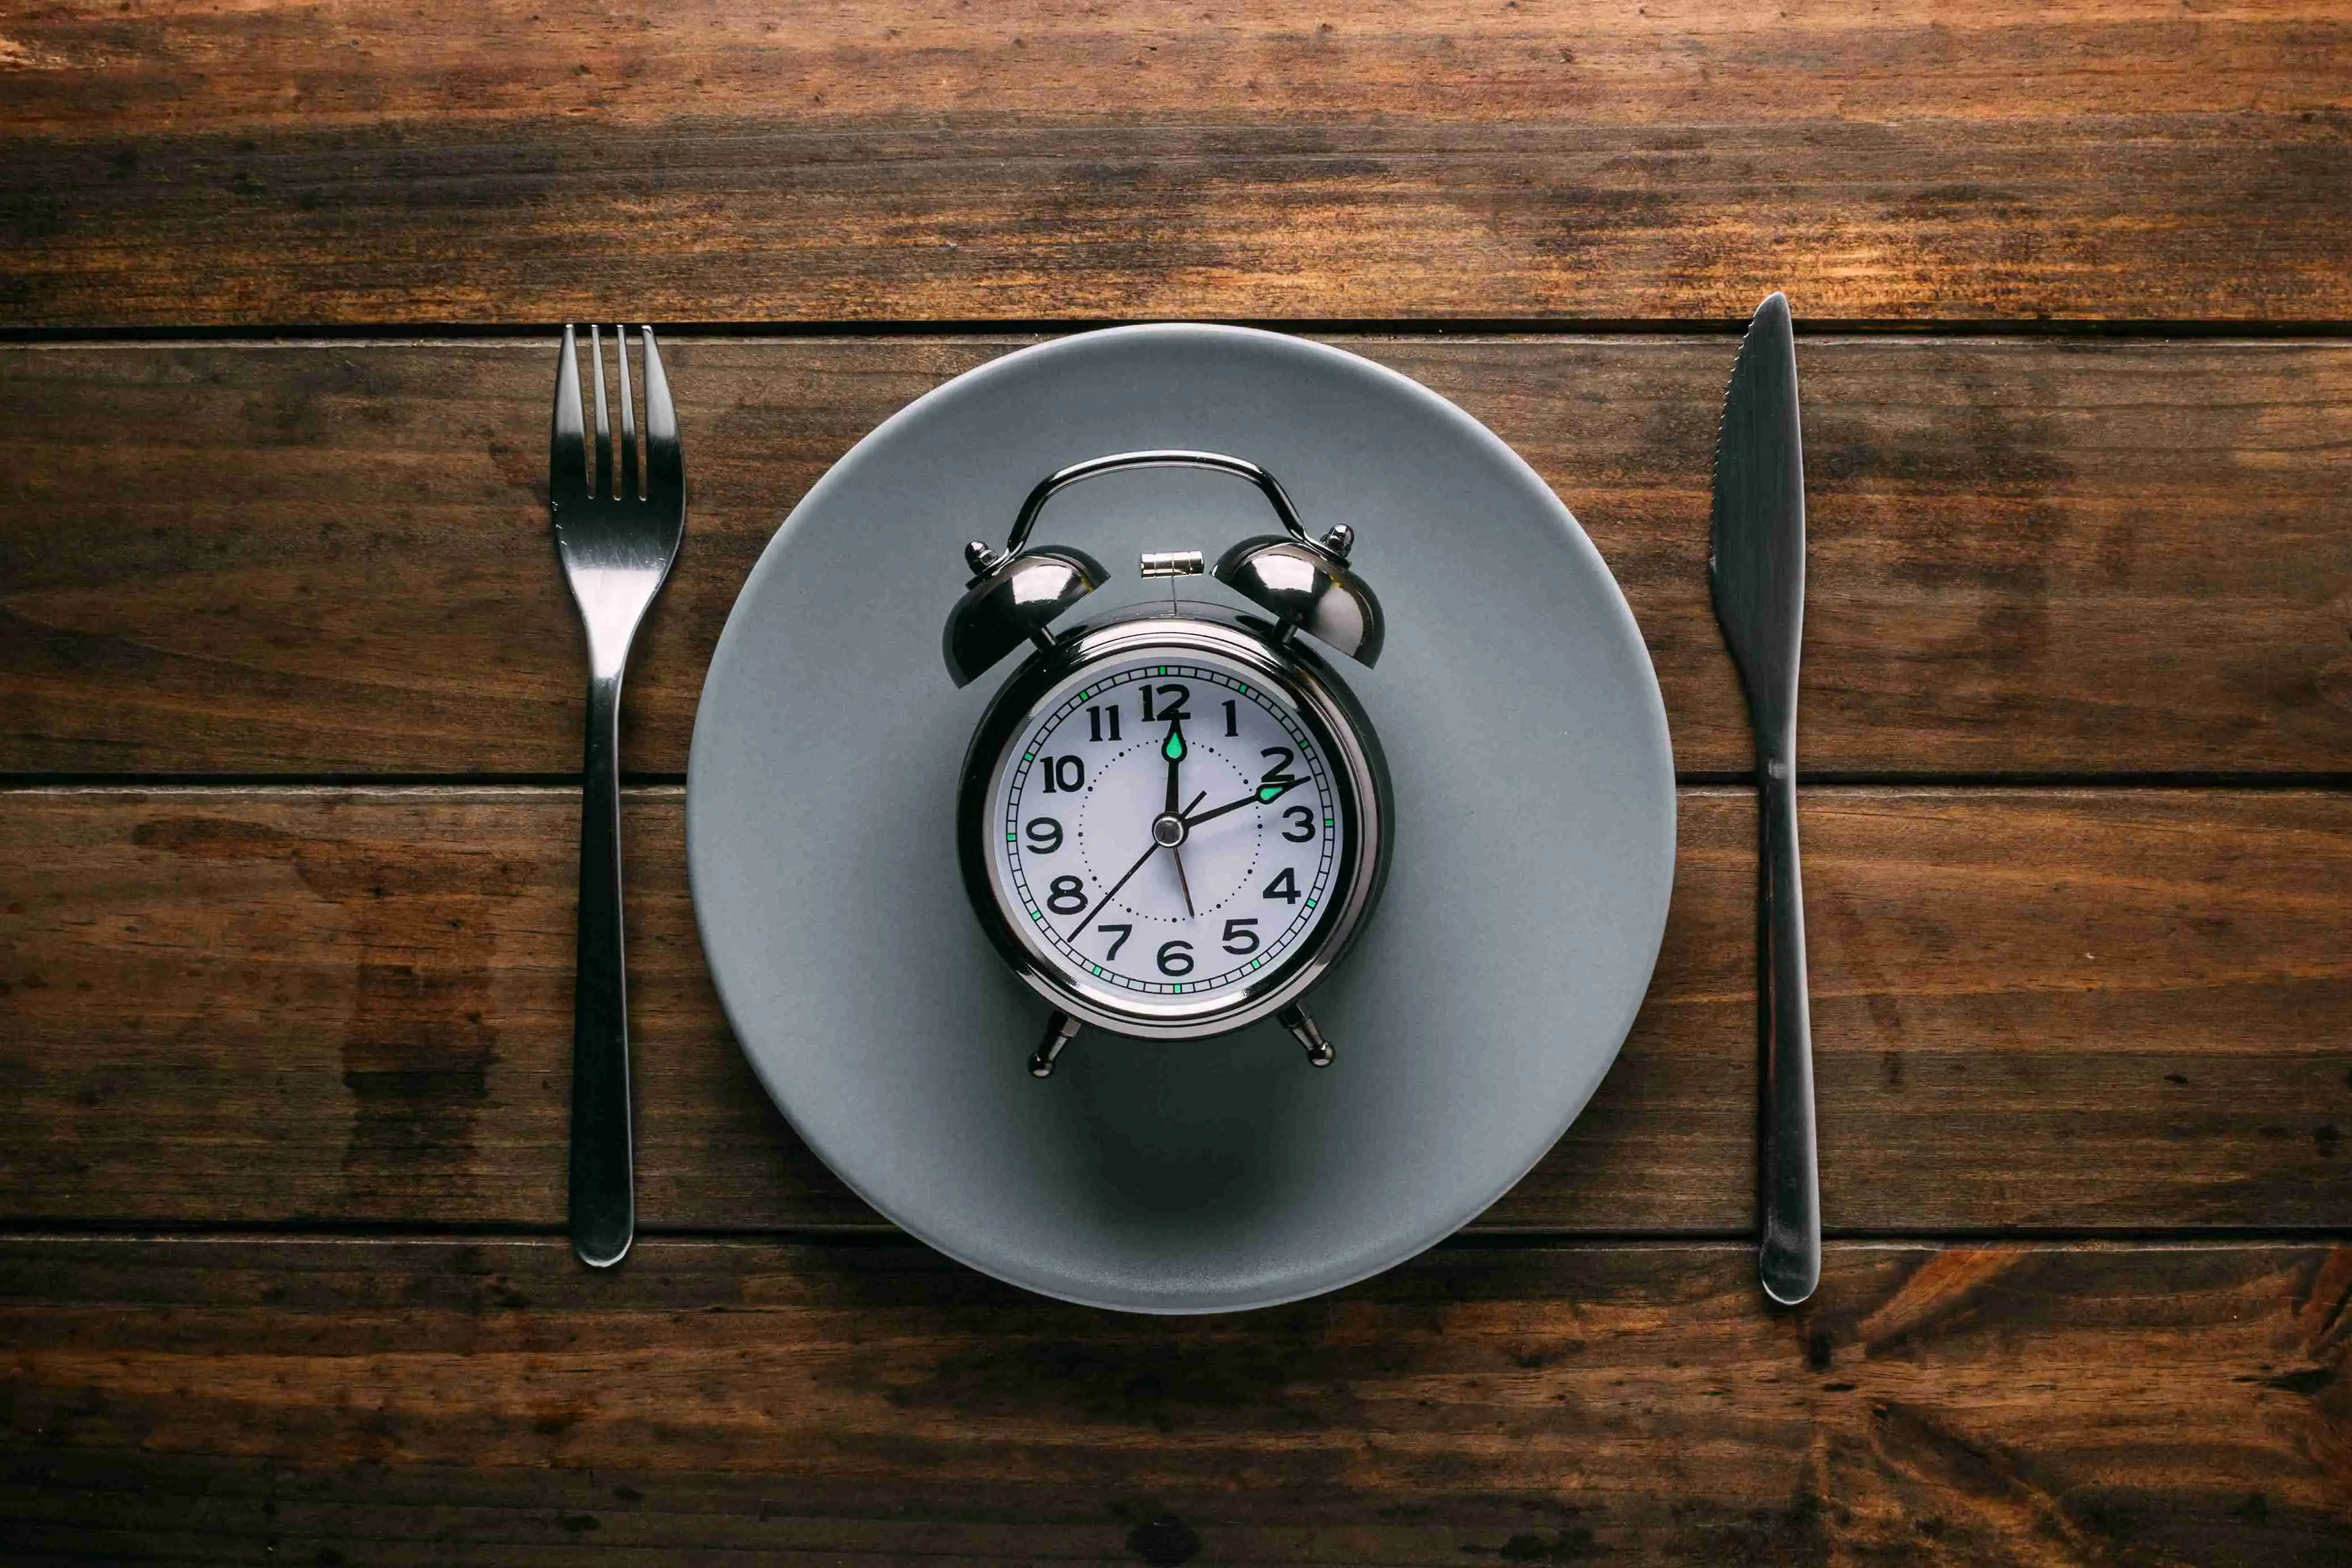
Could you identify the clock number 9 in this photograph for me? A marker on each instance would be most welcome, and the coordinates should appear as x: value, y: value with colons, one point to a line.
x: 1046, y: 835
x: 1066, y: 896
x: 1175, y: 958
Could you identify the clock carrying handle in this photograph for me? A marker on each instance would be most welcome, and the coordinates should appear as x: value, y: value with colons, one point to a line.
x: 1016, y: 592
x: 1239, y: 466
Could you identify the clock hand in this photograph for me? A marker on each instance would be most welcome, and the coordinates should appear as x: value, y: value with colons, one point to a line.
x: 1113, y: 893
x: 1265, y: 794
x: 1173, y: 749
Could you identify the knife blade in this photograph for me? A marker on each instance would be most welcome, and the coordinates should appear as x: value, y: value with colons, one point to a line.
x: 1757, y: 572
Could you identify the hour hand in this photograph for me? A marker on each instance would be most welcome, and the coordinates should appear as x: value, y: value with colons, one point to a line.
x: 1266, y: 794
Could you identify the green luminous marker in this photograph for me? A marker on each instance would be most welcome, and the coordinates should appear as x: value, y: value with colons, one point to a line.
x: 1174, y: 749
x: 1268, y: 793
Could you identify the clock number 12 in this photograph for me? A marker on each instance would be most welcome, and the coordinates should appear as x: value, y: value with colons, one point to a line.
x: 1171, y: 707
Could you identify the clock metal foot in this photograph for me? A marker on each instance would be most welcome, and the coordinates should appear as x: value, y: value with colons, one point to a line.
x: 1060, y: 1030
x: 1302, y: 1029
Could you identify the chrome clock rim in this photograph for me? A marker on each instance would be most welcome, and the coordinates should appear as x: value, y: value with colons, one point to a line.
x: 1324, y: 704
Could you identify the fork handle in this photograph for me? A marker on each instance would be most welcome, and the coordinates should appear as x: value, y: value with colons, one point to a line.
x: 604, y: 1200
x: 1789, y: 1256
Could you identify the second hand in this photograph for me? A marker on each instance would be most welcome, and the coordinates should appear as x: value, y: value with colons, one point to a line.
x: 1113, y: 891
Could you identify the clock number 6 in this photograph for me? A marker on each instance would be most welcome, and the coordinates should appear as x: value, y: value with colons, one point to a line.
x: 1175, y: 958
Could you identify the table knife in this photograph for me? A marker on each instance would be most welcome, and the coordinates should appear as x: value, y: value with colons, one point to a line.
x: 1757, y: 575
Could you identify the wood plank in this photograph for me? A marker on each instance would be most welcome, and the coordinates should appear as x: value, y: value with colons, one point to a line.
x: 455, y: 1401
x: 2068, y: 1010
x: 2026, y: 555
x: 283, y: 162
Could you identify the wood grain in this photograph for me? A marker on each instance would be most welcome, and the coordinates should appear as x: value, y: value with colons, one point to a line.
x: 2061, y: 1010
x: 2026, y: 556
x: 460, y: 1401
x: 285, y: 162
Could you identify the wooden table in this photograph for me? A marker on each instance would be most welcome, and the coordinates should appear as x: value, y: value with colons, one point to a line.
x: 289, y: 707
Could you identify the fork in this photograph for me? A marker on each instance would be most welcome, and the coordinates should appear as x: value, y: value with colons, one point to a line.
x: 616, y: 546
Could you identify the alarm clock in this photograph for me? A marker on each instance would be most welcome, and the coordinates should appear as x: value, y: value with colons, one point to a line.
x: 1171, y: 821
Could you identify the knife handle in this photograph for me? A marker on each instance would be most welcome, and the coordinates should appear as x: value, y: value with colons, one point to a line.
x: 1789, y: 1256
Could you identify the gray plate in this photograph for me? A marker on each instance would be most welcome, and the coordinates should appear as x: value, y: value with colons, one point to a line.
x: 1535, y: 801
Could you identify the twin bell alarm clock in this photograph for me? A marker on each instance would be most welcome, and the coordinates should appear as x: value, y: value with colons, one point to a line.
x: 1173, y: 820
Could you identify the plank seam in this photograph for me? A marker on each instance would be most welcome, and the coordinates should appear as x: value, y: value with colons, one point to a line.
x: 321, y: 332
x: 1696, y: 779
x: 881, y: 1234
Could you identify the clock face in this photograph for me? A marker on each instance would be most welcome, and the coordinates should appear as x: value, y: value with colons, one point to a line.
x: 1167, y: 830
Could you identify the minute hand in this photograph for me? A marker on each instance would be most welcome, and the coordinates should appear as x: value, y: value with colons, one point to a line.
x: 1265, y: 794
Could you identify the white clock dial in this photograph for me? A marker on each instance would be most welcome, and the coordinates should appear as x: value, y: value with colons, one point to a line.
x: 1156, y: 903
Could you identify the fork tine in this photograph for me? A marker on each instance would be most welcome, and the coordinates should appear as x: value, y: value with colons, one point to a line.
x: 628, y: 418
x: 567, y: 445
x: 665, y: 463
x: 603, y: 423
